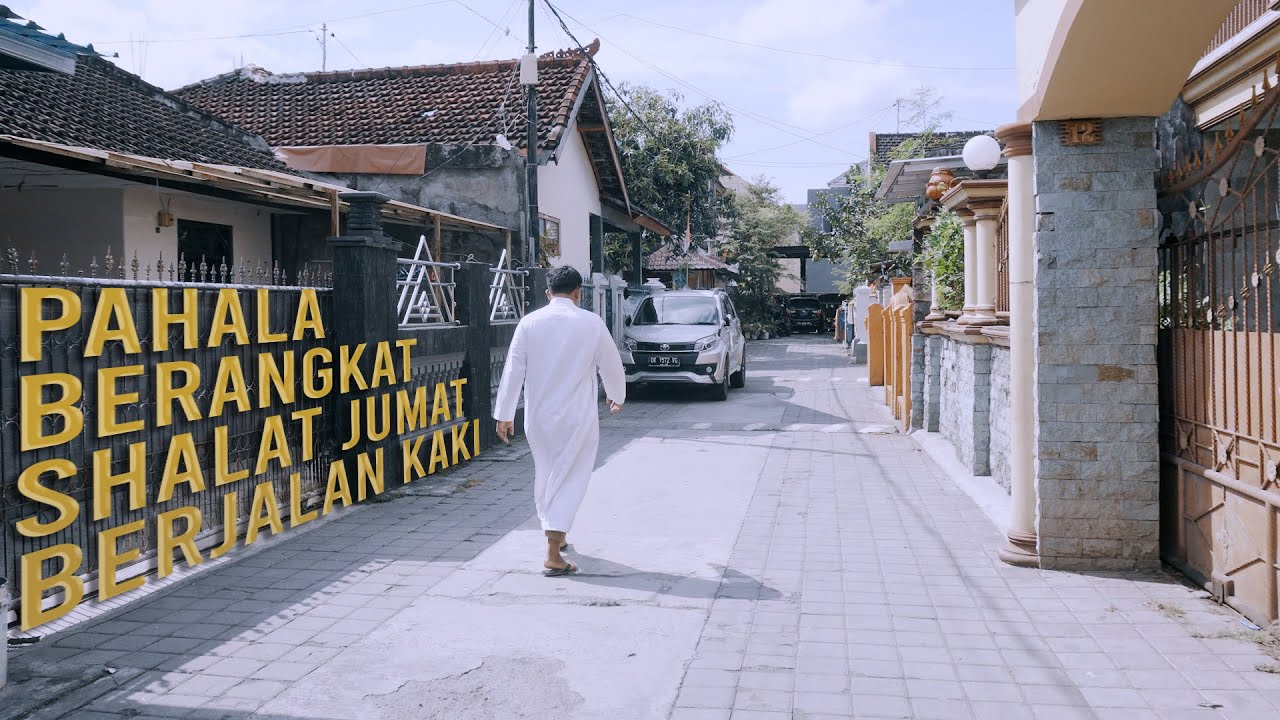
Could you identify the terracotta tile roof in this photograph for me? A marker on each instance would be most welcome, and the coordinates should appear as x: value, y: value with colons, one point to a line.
x: 106, y: 108
x: 429, y: 104
x: 668, y: 258
x: 941, y: 144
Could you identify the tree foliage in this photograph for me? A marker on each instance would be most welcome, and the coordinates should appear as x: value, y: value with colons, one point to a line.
x: 668, y: 154
x: 862, y: 226
x: 943, y: 257
x: 761, y: 223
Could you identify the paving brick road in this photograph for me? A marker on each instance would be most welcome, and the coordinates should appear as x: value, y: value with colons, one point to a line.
x: 780, y: 555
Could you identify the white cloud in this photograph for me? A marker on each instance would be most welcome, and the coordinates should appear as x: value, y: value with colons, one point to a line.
x: 784, y: 90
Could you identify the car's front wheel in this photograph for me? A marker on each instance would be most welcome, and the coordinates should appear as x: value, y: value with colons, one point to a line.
x: 739, y: 379
x: 721, y: 389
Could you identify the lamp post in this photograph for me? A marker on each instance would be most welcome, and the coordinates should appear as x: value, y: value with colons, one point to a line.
x: 981, y: 154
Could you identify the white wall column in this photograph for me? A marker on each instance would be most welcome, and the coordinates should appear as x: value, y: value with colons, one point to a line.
x: 1021, y: 548
x: 987, y: 216
x: 970, y: 265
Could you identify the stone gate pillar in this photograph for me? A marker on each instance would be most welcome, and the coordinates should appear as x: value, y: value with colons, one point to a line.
x: 364, y: 311
x: 1096, y: 316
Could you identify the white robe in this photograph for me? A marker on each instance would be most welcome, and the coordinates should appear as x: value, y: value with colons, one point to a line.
x: 555, y: 355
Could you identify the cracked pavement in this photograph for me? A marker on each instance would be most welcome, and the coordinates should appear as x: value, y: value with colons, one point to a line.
x: 781, y: 555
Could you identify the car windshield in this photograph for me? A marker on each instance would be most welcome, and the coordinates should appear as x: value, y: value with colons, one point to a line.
x: 805, y: 303
x: 677, y: 310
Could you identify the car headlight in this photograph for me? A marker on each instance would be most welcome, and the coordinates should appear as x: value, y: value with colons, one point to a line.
x: 630, y: 343
x: 706, y: 343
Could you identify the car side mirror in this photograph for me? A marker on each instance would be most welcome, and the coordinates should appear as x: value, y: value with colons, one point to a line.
x: 626, y: 321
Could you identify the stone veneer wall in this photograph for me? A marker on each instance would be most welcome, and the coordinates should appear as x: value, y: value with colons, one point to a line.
x: 1097, y: 230
x: 932, y: 404
x: 1001, y: 415
x: 964, y: 415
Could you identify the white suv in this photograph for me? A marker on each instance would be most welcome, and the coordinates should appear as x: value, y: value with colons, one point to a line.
x: 686, y: 336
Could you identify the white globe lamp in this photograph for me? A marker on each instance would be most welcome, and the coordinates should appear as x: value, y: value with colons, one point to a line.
x: 981, y: 153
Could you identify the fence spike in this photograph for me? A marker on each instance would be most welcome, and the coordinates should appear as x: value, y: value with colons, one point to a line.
x: 93, y: 266
x: 243, y: 277
x: 159, y: 266
x: 32, y: 264
x: 204, y: 270
x: 134, y: 264
x: 13, y: 259
x: 222, y: 270
x: 110, y: 262
x: 182, y: 267
x: 262, y: 273
x: 147, y: 272
x: 1266, y: 81
x: 170, y: 271
x: 64, y: 267
x: 275, y: 273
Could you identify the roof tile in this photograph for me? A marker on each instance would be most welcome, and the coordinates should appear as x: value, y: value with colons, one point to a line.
x: 428, y: 104
x: 106, y: 108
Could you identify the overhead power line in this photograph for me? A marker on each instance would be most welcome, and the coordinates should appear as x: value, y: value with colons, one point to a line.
x: 764, y: 120
x: 823, y: 56
x: 865, y: 118
x: 296, y: 29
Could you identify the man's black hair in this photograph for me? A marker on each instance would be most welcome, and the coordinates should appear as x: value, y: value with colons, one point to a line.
x: 563, y: 280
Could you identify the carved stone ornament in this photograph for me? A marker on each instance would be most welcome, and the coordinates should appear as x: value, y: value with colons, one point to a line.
x: 1082, y: 132
x: 940, y: 182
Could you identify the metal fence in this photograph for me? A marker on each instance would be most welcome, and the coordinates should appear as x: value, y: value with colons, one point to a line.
x: 1219, y: 353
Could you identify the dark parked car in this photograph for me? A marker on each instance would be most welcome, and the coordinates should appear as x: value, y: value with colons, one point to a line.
x: 805, y: 314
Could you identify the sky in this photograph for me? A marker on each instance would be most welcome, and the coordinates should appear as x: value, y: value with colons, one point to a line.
x: 806, y: 80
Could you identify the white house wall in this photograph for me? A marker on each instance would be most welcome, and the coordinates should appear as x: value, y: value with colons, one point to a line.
x: 567, y: 191
x: 80, y: 222
x: 250, y: 225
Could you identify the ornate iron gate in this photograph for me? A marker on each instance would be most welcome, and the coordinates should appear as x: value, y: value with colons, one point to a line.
x: 1220, y: 385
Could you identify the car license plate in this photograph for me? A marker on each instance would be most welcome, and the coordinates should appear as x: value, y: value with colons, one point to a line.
x: 664, y: 361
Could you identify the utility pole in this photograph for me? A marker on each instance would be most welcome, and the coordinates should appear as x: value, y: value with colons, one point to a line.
x: 529, y: 76
x: 898, y: 105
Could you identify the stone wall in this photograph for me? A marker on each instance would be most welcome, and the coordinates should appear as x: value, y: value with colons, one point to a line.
x: 964, y: 415
x: 932, y: 386
x: 483, y: 183
x: 1001, y: 415
x: 1097, y: 229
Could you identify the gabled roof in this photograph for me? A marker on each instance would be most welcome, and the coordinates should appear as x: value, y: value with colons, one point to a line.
x: 427, y: 104
x: 28, y: 47
x: 666, y: 258
x: 103, y: 107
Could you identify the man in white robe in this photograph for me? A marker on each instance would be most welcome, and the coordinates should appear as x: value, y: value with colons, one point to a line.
x: 555, y: 355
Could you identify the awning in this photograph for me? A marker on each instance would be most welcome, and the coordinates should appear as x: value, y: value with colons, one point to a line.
x: 905, y: 180
x: 264, y: 186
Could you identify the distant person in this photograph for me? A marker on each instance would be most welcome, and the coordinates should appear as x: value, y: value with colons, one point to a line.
x: 554, y: 356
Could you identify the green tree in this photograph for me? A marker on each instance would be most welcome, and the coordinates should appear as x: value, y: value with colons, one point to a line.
x: 668, y: 154
x: 943, y: 257
x: 862, y: 226
x: 762, y: 222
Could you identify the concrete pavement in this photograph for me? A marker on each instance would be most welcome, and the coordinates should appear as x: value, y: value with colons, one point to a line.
x: 780, y: 555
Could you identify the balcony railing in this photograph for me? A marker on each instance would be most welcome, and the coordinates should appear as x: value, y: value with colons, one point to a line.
x: 1240, y: 18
